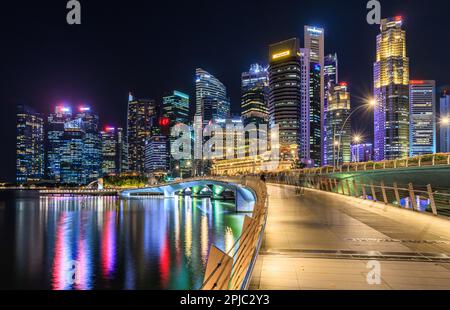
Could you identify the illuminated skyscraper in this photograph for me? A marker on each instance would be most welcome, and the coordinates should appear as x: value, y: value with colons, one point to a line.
x: 139, y: 122
x: 422, y: 106
x: 339, y: 126
x: 284, y: 94
x: 315, y: 115
x: 114, y: 151
x: 331, y: 79
x: 176, y: 109
x: 53, y: 145
x: 210, y: 97
x: 255, y: 95
x: 71, y: 153
x: 29, y: 145
x: 391, y: 89
x: 92, y: 144
x: 212, y: 104
x: 157, y: 148
x: 304, y: 125
x: 444, y: 123
x: 315, y: 42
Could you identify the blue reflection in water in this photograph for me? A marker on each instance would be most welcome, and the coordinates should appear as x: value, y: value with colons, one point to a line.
x: 108, y: 243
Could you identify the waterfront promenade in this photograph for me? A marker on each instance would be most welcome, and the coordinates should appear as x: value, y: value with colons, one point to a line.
x: 322, y: 240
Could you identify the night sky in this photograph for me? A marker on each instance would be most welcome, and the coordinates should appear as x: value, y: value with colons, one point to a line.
x: 152, y: 47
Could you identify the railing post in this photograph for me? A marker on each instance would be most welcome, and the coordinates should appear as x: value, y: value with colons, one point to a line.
x: 348, y: 187
x: 420, y: 161
x: 374, y: 195
x: 434, y: 159
x: 363, y: 187
x: 355, y: 188
x: 395, y: 164
x: 341, y: 182
x: 397, y: 196
x: 448, y: 159
x: 336, y: 188
x: 432, y: 202
x: 365, y: 166
x: 412, y: 196
x: 330, y: 184
x: 383, y: 190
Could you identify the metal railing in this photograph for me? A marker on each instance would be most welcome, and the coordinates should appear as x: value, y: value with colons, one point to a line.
x: 409, y: 196
x: 418, y: 161
x: 232, y: 270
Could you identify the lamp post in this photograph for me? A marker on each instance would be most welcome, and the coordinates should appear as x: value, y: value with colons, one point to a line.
x: 370, y: 104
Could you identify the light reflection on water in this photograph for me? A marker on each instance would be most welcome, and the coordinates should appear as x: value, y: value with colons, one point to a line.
x: 109, y: 243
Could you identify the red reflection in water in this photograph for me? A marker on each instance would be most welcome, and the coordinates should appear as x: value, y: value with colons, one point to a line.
x: 164, y: 261
x: 59, y: 272
x: 109, y: 244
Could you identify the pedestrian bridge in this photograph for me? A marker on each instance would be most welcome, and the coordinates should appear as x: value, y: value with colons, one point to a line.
x: 245, y: 196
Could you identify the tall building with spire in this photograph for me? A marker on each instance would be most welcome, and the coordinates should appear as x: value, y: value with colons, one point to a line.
x: 391, y: 91
x: 315, y: 43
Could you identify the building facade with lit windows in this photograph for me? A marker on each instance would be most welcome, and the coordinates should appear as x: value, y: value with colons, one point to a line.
x: 304, y: 125
x: 92, y: 144
x: 141, y: 112
x: 391, y: 91
x: 315, y: 118
x: 29, y: 145
x: 422, y: 97
x: 176, y: 109
x: 444, y: 122
x: 72, y: 152
x: 255, y: 95
x: 284, y: 94
x: 53, y: 143
x: 211, y: 100
x: 331, y: 79
x: 114, y: 151
x: 339, y: 126
x: 361, y: 152
x: 315, y: 42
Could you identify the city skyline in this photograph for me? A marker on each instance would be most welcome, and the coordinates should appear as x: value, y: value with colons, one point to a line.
x: 117, y: 119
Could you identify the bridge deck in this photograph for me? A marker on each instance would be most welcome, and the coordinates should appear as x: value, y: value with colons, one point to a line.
x: 324, y: 241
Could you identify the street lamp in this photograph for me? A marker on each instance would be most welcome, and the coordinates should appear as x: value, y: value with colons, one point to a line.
x: 445, y: 120
x: 370, y: 104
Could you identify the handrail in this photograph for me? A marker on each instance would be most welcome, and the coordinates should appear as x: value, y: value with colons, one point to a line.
x: 245, y: 249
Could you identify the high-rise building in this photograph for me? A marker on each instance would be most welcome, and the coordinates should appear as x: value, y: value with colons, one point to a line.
x: 210, y: 97
x: 444, y: 122
x: 331, y: 79
x: 141, y: 113
x: 92, y: 144
x: 284, y: 95
x: 339, y: 126
x: 255, y: 95
x: 114, y: 151
x: 176, y: 109
x: 71, y: 153
x: 391, y: 90
x: 422, y: 97
x: 304, y: 125
x: 53, y: 144
x: 29, y: 145
x: 315, y: 42
x: 361, y: 152
x: 157, y: 148
x: 212, y: 104
x: 315, y: 143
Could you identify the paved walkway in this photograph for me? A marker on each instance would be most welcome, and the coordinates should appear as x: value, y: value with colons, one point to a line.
x: 324, y: 241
